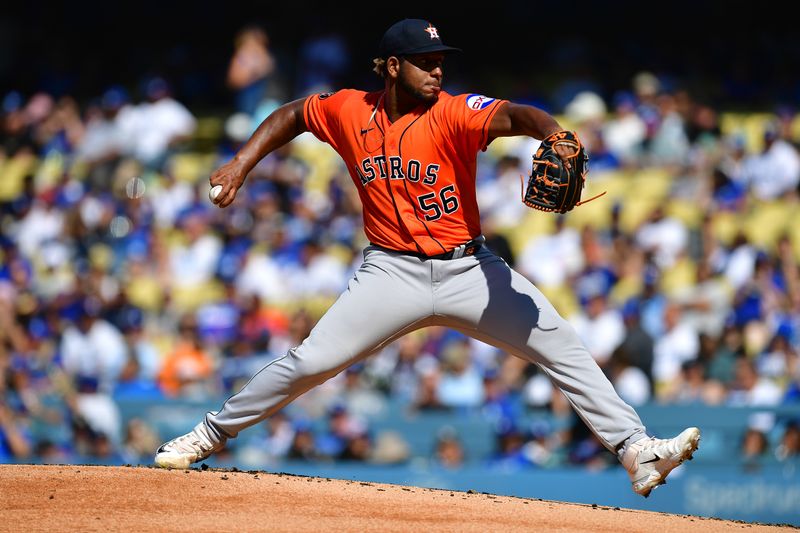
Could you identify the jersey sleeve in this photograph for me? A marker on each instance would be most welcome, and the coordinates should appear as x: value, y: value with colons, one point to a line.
x: 469, y: 116
x: 322, y: 113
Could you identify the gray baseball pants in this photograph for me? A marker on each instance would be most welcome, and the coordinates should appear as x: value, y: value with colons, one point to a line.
x: 393, y: 294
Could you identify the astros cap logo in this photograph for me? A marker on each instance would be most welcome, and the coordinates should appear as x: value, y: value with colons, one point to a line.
x: 432, y: 31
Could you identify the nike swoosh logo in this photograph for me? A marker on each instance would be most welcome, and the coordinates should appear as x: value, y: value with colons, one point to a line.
x: 653, y: 460
x: 365, y: 131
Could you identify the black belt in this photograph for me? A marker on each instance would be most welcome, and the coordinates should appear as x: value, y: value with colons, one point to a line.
x: 468, y: 248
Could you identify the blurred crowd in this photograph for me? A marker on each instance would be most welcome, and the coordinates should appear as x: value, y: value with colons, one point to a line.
x: 121, y: 282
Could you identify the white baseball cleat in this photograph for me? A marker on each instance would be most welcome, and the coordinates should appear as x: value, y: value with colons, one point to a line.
x: 649, y: 461
x: 182, y: 451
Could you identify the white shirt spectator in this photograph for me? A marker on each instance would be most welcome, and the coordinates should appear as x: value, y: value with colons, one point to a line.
x: 633, y: 386
x: 461, y: 390
x: 676, y: 346
x: 194, y: 260
x: 765, y: 392
x: 324, y: 275
x: 740, y: 265
x: 624, y: 135
x: 158, y: 124
x: 550, y: 260
x: 773, y: 172
x: 169, y: 200
x: 669, y: 144
x: 99, y: 352
x: 751, y: 389
x: 40, y: 224
x: 99, y: 141
x: 261, y: 275
x: 707, y: 304
x: 102, y: 414
x: 601, y: 334
x: 667, y: 236
x: 195, y: 263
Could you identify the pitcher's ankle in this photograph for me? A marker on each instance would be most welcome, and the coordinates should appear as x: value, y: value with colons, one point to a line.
x: 623, y: 447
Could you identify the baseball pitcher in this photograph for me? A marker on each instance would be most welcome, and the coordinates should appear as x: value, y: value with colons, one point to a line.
x: 411, y: 150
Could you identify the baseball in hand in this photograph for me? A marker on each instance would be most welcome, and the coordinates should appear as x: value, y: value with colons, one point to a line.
x: 214, y: 191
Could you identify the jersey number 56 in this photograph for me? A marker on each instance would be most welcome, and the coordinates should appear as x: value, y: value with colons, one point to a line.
x: 447, y: 203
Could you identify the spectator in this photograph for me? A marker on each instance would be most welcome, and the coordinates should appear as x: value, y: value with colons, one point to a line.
x: 139, y: 441
x: 625, y: 133
x: 460, y: 384
x: 303, y: 447
x: 706, y: 302
x: 551, y: 259
x: 680, y: 343
x: 343, y: 429
x: 780, y: 359
x: 774, y: 172
x: 92, y: 347
x: 187, y: 369
x: 324, y: 58
x: 750, y: 389
x: 162, y: 124
x: 15, y: 443
x: 280, y: 436
x: 754, y: 449
x: 193, y: 261
x: 637, y: 345
x: 95, y: 407
x: 600, y: 328
x: 250, y: 68
x: 358, y: 448
x: 740, y: 263
x: 723, y: 353
x: 109, y: 136
x: 174, y: 197
x: 509, y: 454
x: 668, y: 144
x: 789, y: 447
x: 663, y: 235
x: 629, y: 381
x: 449, y: 452
x: 690, y: 385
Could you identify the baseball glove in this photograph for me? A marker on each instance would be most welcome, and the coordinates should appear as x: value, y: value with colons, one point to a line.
x: 551, y: 187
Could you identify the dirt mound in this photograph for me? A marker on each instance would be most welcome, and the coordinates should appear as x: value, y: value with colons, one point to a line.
x: 98, y: 498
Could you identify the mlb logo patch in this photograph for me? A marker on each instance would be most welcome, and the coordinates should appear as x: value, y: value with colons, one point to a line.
x: 477, y: 102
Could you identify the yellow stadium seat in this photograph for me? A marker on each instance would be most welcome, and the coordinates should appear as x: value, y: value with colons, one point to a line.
x: 12, y: 175
x: 686, y: 211
x: 625, y: 289
x: 795, y: 128
x: 725, y: 225
x: 751, y: 125
x: 191, y: 167
x: 636, y: 212
x: 794, y: 234
x: 533, y: 225
x: 679, y: 277
x: 767, y: 221
x: 652, y: 183
x: 145, y: 292
x: 191, y: 297
x: 50, y: 171
x: 563, y: 299
x: 209, y: 130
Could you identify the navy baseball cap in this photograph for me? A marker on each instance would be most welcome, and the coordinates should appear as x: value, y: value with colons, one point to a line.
x: 412, y: 36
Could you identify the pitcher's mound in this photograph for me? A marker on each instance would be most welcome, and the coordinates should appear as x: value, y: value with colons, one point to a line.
x: 99, y: 498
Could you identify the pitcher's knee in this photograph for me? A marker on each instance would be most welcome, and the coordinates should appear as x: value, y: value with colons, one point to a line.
x: 315, y: 369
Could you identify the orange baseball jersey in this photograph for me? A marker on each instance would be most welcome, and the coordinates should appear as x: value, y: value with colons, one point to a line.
x: 415, y: 177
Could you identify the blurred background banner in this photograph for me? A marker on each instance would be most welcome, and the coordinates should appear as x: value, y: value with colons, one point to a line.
x: 130, y: 305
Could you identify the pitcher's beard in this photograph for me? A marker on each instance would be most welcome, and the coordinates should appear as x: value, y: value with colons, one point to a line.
x: 416, y: 94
